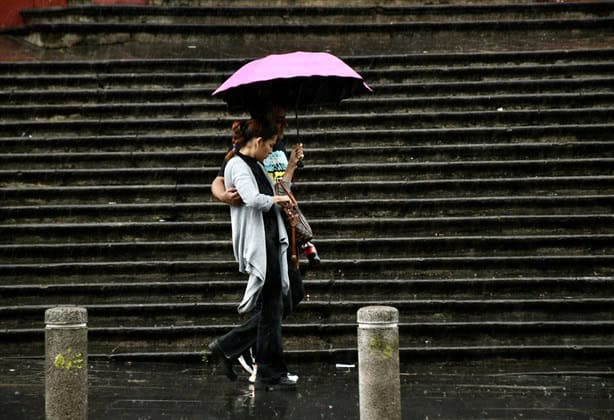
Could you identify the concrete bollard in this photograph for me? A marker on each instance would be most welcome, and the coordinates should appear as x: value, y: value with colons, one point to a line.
x: 66, y: 363
x: 378, y: 363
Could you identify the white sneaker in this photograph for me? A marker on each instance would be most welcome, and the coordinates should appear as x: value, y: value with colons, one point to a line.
x: 252, y: 378
x: 247, y: 366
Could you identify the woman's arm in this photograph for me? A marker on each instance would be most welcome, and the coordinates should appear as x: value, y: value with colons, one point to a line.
x: 243, y: 179
x: 296, y: 155
x: 248, y: 190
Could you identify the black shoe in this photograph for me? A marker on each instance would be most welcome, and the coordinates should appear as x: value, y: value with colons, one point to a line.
x: 217, y: 356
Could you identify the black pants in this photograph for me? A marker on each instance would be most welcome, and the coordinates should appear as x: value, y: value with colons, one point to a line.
x: 244, y: 336
x: 269, y: 347
x: 262, y: 330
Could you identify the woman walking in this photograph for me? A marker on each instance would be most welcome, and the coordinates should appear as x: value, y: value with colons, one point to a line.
x: 260, y: 244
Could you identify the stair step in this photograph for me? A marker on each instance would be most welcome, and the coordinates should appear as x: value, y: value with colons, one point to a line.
x: 61, y: 89
x: 325, y: 228
x: 30, y: 88
x: 450, y: 89
x: 414, y: 267
x: 528, y: 245
x: 325, y: 121
x: 100, y: 95
x: 144, y: 291
x: 315, y: 138
x: 341, y: 335
x: 500, y: 103
x: 384, y: 75
x: 140, y: 65
x: 508, y: 311
x: 399, y: 95
x: 299, y: 13
x: 105, y: 80
x: 212, y: 211
x: 409, y: 36
x: 345, y: 155
x: 287, y: 29
x: 116, y: 110
x: 350, y: 172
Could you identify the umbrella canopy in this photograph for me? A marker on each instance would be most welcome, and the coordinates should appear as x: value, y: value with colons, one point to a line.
x: 293, y: 80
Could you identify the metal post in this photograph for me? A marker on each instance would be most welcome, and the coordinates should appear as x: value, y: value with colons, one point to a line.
x: 378, y: 363
x: 66, y: 363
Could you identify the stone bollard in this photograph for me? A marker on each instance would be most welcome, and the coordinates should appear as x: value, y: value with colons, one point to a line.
x: 66, y: 363
x: 378, y: 363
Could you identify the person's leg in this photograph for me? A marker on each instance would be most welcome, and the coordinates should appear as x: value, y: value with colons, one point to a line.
x: 269, y: 348
x: 241, y: 341
x: 297, y: 291
x: 240, y: 338
x: 290, y: 302
x: 232, y: 345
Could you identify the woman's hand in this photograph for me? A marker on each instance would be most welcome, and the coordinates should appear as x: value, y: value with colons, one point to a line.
x: 296, y: 155
x: 280, y: 199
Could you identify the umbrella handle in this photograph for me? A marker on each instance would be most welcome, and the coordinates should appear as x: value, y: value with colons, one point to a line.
x: 300, y: 163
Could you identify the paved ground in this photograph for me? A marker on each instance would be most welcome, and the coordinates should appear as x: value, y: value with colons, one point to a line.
x: 461, y: 390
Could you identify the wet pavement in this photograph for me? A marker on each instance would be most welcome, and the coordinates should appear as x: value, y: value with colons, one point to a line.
x: 487, y: 389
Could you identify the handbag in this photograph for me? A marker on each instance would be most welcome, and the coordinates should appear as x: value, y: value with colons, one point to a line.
x: 300, y: 231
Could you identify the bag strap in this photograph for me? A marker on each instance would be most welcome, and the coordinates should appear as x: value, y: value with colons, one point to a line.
x: 293, y: 202
x: 280, y: 183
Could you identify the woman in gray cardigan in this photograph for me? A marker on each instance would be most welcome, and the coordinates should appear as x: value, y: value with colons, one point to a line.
x: 260, y: 244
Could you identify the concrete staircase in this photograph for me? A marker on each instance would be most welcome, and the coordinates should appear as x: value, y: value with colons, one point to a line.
x: 473, y: 191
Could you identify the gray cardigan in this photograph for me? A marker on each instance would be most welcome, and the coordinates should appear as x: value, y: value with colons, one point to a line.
x: 248, y: 237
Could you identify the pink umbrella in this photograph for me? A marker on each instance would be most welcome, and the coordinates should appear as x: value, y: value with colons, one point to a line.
x: 292, y: 80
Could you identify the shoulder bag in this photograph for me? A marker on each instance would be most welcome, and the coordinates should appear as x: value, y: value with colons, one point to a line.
x: 299, y: 229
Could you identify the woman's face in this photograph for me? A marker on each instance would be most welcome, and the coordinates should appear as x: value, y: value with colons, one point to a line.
x: 264, y: 147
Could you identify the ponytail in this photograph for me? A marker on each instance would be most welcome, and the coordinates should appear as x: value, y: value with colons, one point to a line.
x: 238, y: 139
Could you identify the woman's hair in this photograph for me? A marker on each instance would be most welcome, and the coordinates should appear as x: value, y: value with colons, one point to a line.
x: 244, y: 131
